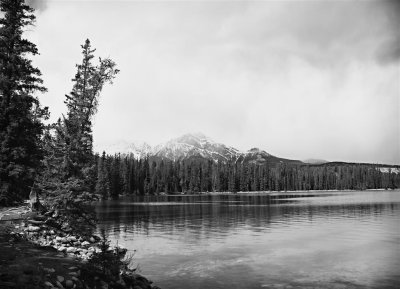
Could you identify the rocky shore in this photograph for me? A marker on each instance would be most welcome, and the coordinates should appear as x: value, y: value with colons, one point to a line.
x: 51, y: 241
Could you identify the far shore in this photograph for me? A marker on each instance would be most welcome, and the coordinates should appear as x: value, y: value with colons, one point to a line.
x: 260, y: 192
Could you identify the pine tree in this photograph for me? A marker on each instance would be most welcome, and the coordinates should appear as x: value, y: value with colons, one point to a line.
x: 21, y: 115
x: 82, y: 105
x: 70, y: 142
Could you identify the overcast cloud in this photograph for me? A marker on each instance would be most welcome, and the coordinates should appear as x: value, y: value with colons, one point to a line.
x: 299, y: 79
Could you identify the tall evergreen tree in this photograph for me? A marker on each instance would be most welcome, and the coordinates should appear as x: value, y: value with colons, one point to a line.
x: 21, y: 115
x: 82, y: 105
x: 71, y: 140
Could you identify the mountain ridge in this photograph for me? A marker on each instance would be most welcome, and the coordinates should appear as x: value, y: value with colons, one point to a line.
x: 194, y: 145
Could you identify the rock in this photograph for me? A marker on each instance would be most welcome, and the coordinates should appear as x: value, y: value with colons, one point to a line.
x: 34, y: 222
x: 33, y: 229
x: 60, y: 278
x: 59, y: 285
x: 85, y: 243
x: 49, y: 270
x: 71, y: 250
x: 92, y: 240
x: 73, y: 274
x: 64, y: 240
x: 69, y: 284
x: 62, y: 249
x: 58, y: 238
x: 74, y: 279
x: 48, y: 284
x: 71, y: 239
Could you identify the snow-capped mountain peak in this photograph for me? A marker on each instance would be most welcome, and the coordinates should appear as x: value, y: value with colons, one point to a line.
x: 194, y: 145
x: 189, y: 145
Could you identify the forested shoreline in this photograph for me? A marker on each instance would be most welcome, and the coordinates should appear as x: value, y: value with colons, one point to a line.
x: 124, y: 174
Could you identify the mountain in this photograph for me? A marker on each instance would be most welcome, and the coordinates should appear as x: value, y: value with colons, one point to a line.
x: 139, y: 149
x: 195, y: 146
x: 256, y: 155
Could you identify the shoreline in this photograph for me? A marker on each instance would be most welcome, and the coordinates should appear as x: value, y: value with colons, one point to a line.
x: 35, y: 254
x: 257, y: 193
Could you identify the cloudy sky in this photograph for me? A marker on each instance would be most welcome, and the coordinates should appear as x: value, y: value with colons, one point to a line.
x: 299, y: 79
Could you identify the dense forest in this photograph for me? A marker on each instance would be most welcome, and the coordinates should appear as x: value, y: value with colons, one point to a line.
x: 123, y: 174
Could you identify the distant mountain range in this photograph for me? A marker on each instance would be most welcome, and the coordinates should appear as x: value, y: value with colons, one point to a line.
x: 193, y: 146
x: 197, y: 145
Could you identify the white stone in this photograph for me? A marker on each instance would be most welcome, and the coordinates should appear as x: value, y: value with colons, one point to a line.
x: 62, y: 249
x: 71, y: 239
x: 71, y: 250
x: 33, y: 229
x: 60, y: 278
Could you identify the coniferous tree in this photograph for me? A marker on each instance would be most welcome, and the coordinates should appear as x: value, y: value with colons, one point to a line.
x: 21, y: 115
x: 71, y: 140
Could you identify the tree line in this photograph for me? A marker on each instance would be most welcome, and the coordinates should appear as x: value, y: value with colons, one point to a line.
x: 124, y: 174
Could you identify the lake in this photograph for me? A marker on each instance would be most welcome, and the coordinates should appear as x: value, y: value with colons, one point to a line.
x: 266, y: 240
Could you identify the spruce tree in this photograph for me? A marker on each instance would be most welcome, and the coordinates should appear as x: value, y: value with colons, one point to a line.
x: 21, y: 115
x: 70, y: 155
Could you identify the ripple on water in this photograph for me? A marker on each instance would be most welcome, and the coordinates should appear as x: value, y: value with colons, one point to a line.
x: 333, y: 240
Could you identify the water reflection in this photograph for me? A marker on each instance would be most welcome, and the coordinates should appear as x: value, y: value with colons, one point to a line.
x: 261, y: 241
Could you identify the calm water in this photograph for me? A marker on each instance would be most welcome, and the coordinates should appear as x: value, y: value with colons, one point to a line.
x: 308, y: 240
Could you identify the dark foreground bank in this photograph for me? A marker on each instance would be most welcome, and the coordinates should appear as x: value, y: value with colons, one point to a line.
x: 36, y: 254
